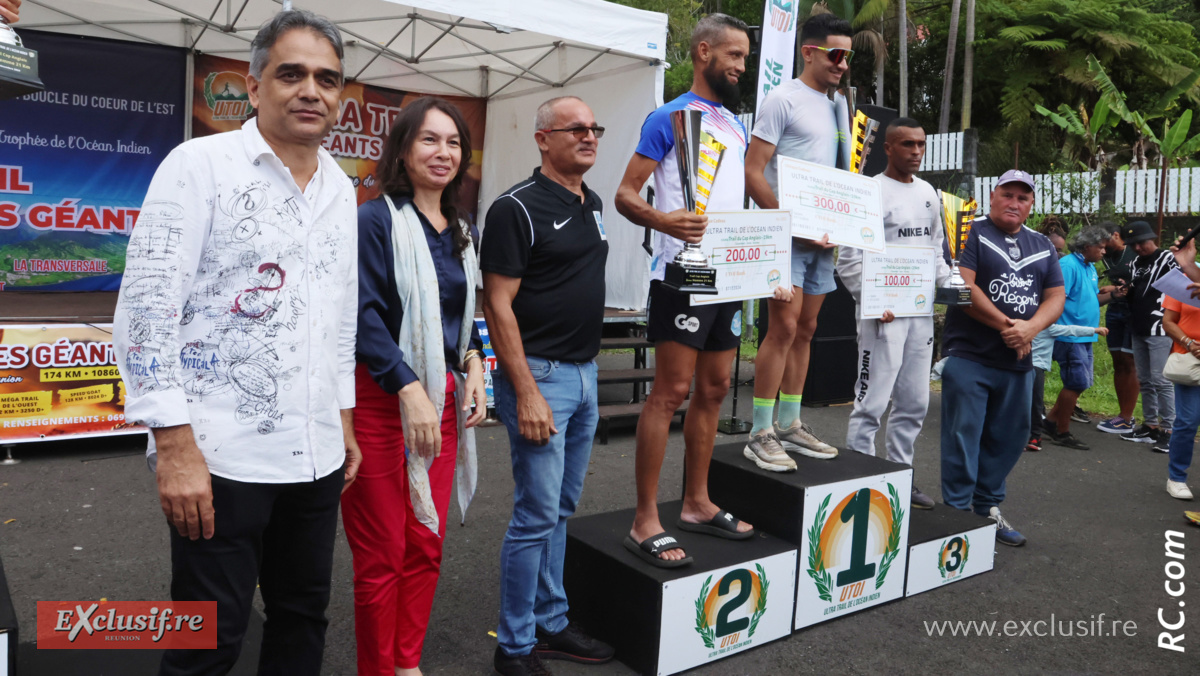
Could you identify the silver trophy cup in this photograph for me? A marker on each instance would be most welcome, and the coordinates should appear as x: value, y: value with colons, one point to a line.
x: 955, y: 292
x: 18, y: 65
x: 689, y: 271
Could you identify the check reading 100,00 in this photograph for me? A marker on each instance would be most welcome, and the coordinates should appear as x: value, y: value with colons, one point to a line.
x: 899, y: 280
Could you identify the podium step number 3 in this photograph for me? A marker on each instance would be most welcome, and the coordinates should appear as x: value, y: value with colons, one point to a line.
x: 855, y: 546
x: 948, y: 546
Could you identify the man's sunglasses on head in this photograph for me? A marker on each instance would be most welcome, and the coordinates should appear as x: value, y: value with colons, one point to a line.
x: 580, y: 133
x: 836, y: 54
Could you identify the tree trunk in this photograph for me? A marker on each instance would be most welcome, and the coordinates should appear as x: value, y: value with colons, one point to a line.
x: 879, y: 81
x: 948, y: 77
x: 968, y: 66
x: 902, y: 10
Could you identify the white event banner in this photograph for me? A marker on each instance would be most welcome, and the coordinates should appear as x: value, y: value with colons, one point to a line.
x: 950, y: 559
x: 854, y: 546
x: 902, y: 279
x: 751, y: 252
x: 718, y: 613
x: 827, y: 201
x: 778, y: 46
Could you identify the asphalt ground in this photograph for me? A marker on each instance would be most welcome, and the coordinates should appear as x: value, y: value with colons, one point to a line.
x: 85, y: 524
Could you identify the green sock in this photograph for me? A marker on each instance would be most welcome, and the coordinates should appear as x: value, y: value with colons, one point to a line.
x: 789, y: 409
x: 763, y: 408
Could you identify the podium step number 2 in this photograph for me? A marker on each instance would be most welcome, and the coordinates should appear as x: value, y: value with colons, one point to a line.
x: 855, y: 546
x: 716, y: 613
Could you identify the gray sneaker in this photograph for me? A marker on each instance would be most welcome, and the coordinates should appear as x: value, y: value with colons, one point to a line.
x: 765, y: 451
x: 920, y: 500
x: 800, y: 438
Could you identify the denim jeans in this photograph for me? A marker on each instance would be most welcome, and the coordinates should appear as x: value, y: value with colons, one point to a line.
x: 548, y: 482
x: 1158, y: 397
x: 1183, y: 433
x: 985, y: 424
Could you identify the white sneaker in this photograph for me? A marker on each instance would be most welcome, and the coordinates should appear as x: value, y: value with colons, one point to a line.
x: 1179, y: 490
x: 799, y: 438
x: 765, y: 451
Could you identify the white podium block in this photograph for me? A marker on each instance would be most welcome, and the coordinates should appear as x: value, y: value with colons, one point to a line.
x: 949, y: 545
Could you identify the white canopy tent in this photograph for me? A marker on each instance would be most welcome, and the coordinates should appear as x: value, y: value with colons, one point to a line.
x: 515, y: 53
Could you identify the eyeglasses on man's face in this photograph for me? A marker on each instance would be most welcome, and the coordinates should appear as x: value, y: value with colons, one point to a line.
x: 580, y: 132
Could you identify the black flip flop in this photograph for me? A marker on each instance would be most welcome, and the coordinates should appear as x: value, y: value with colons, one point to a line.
x: 723, y: 525
x: 649, y: 549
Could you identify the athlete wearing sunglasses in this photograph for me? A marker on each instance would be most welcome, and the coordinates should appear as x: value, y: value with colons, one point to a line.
x: 836, y: 54
x: 797, y: 120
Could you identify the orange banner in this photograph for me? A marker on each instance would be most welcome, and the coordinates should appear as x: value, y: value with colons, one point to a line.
x: 59, y: 380
x: 126, y: 625
x: 221, y: 103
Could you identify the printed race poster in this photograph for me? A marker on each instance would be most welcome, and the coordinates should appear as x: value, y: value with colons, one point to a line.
x: 76, y: 159
x: 59, y: 380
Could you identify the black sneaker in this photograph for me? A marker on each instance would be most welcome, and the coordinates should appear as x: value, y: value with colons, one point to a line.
x: 1142, y: 434
x: 1068, y: 440
x: 573, y: 645
x: 1034, y: 445
x: 1080, y: 415
x: 519, y: 665
x: 1162, y: 441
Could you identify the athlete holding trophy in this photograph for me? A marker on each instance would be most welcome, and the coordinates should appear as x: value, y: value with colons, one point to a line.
x: 691, y: 341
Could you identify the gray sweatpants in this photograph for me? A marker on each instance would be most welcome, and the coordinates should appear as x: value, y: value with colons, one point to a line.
x: 1158, y: 394
x: 894, y: 361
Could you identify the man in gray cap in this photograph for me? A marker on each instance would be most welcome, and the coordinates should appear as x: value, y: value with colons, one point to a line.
x: 1016, y: 292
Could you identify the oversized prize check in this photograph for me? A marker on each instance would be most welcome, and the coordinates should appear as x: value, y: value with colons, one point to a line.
x: 751, y: 251
x: 823, y: 200
x: 902, y: 280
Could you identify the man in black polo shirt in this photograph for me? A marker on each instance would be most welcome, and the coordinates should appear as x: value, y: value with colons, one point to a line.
x: 542, y: 256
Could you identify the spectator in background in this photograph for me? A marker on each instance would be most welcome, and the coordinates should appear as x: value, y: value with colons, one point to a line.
x: 1151, y: 344
x: 1043, y: 347
x: 1117, y: 259
x: 1182, y: 323
x: 1072, y: 351
x: 1053, y: 228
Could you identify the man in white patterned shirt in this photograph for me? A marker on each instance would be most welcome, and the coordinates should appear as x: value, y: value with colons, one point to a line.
x: 235, y: 335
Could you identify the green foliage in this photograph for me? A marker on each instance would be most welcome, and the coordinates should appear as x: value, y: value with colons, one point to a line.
x: 1045, y: 47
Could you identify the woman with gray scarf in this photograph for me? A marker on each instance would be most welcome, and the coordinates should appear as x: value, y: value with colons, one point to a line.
x: 420, y: 370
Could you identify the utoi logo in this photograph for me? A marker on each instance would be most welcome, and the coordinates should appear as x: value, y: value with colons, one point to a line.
x: 952, y: 559
x: 151, y: 625
x: 838, y: 542
x: 740, y: 592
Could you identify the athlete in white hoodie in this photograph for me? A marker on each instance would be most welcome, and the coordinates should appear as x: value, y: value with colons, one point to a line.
x: 896, y: 353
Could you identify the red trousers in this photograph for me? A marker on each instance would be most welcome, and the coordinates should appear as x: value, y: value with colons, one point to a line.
x: 396, y: 557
